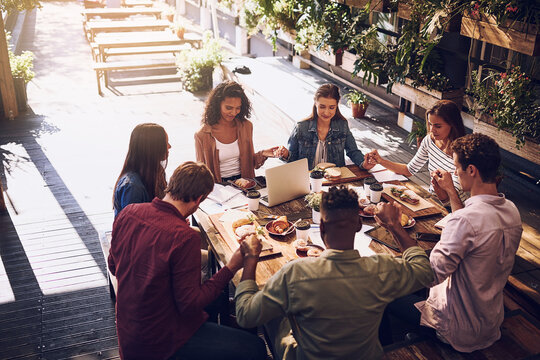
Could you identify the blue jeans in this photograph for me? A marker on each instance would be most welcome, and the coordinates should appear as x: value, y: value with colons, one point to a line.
x: 212, y: 342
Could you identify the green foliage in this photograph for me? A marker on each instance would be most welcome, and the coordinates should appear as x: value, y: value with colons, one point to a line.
x: 18, y: 5
x: 314, y: 200
x: 356, y: 97
x: 22, y: 65
x: 503, y: 10
x: 371, y: 55
x: 419, y: 130
x: 195, y: 63
x: 511, y: 100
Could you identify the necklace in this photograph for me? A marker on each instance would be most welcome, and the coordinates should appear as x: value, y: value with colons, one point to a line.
x: 321, y: 133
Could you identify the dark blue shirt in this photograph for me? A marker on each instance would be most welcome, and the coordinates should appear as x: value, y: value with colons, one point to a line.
x: 304, y: 139
x: 130, y: 189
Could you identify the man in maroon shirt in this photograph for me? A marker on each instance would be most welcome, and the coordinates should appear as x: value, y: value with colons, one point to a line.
x: 156, y: 257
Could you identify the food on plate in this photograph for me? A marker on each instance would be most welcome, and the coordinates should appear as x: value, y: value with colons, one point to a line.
x: 332, y: 173
x: 245, y: 230
x: 240, y: 222
x: 301, y: 245
x: 363, y: 202
x: 314, y: 252
x: 243, y: 183
x: 280, y: 225
x: 325, y: 165
x: 406, y: 220
x: 408, y: 196
x: 370, y: 210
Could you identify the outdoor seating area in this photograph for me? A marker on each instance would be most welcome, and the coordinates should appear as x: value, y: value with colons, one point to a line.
x: 263, y: 180
x: 136, y: 31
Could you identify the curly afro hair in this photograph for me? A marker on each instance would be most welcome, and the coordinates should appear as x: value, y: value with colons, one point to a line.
x: 340, y: 198
x: 227, y: 89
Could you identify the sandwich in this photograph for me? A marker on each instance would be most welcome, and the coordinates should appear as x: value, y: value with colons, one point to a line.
x: 243, y: 183
x: 325, y: 165
x: 332, y: 173
x: 405, y: 220
x: 242, y: 232
x: 241, y: 222
x: 408, y: 196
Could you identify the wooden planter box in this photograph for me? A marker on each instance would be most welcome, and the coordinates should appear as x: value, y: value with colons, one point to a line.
x: 529, y: 151
x: 288, y: 37
x: 376, y: 5
x: 425, y: 98
x: 518, y: 36
x: 327, y: 56
x: 404, y: 12
x: 348, y: 60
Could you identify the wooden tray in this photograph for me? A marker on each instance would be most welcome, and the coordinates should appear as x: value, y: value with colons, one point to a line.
x: 271, y: 247
x: 358, y: 174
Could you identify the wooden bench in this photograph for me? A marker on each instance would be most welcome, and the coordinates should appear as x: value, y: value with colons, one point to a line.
x: 103, y: 68
x: 519, y: 340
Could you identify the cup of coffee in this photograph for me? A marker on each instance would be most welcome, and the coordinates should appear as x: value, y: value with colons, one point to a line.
x: 367, y: 183
x: 302, y: 230
x: 253, y: 197
x: 316, y: 179
x: 375, y: 191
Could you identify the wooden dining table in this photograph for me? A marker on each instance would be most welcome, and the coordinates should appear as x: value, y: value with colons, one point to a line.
x: 222, y: 246
x: 119, y: 13
x: 104, y: 26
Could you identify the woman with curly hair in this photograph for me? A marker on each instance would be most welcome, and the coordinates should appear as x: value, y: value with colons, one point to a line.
x: 225, y: 141
x: 143, y: 175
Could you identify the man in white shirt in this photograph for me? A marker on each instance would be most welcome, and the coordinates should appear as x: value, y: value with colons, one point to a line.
x: 472, y: 261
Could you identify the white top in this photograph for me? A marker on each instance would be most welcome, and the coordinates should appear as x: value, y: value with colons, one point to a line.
x: 436, y: 159
x: 471, y: 264
x: 320, y: 154
x: 229, y: 158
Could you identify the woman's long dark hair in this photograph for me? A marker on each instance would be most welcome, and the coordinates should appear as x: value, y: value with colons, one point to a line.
x: 327, y: 91
x: 227, y: 89
x: 451, y: 115
x: 147, y: 148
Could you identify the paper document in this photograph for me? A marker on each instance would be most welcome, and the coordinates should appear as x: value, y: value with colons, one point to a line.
x: 387, y: 175
x: 376, y: 168
x: 221, y: 193
x: 442, y: 223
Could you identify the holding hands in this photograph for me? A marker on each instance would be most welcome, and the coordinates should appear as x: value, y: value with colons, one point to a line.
x: 373, y: 158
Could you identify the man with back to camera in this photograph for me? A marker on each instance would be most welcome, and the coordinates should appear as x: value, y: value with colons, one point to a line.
x: 330, y: 307
x: 473, y: 259
x: 156, y: 258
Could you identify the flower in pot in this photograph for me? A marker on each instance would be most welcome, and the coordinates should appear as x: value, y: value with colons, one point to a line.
x: 314, y: 202
x: 418, y: 132
x: 179, y: 29
x: 359, y: 103
x: 21, y: 70
x: 195, y: 66
x: 169, y: 13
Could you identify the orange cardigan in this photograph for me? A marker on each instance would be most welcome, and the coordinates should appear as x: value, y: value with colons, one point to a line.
x: 206, y: 151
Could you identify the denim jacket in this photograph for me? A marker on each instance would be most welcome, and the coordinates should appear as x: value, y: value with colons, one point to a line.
x: 304, y: 139
x: 130, y: 189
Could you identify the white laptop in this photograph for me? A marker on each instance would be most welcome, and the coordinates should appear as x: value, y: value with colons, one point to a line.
x: 286, y: 182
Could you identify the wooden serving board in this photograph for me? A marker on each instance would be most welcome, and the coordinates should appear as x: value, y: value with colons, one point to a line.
x: 270, y: 246
x: 357, y: 174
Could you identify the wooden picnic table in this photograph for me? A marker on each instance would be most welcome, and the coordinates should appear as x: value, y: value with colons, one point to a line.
x: 119, y: 13
x: 106, y: 41
x: 223, y: 247
x: 94, y: 27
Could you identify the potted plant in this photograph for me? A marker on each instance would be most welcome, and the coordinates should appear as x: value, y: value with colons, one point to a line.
x: 21, y: 69
x: 359, y: 103
x: 314, y: 202
x: 507, y: 101
x: 195, y: 66
x: 179, y: 29
x: 168, y: 13
x: 418, y: 132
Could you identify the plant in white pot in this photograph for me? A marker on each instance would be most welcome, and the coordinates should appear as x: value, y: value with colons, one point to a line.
x: 314, y: 202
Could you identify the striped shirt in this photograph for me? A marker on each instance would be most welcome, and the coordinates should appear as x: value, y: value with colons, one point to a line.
x: 436, y: 159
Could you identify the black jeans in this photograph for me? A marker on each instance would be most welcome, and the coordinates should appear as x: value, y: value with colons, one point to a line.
x: 213, y: 341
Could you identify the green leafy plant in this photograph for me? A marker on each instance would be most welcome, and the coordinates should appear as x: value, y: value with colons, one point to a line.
x: 22, y: 65
x: 419, y: 131
x: 503, y: 10
x: 356, y: 97
x: 18, y: 5
x: 511, y: 100
x: 314, y: 200
x: 195, y: 65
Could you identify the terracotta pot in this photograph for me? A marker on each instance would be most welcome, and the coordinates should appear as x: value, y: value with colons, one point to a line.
x: 180, y: 33
x: 359, y: 110
x: 170, y: 17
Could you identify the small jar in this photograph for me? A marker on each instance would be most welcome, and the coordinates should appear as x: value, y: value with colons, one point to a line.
x: 302, y: 230
x: 253, y: 197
